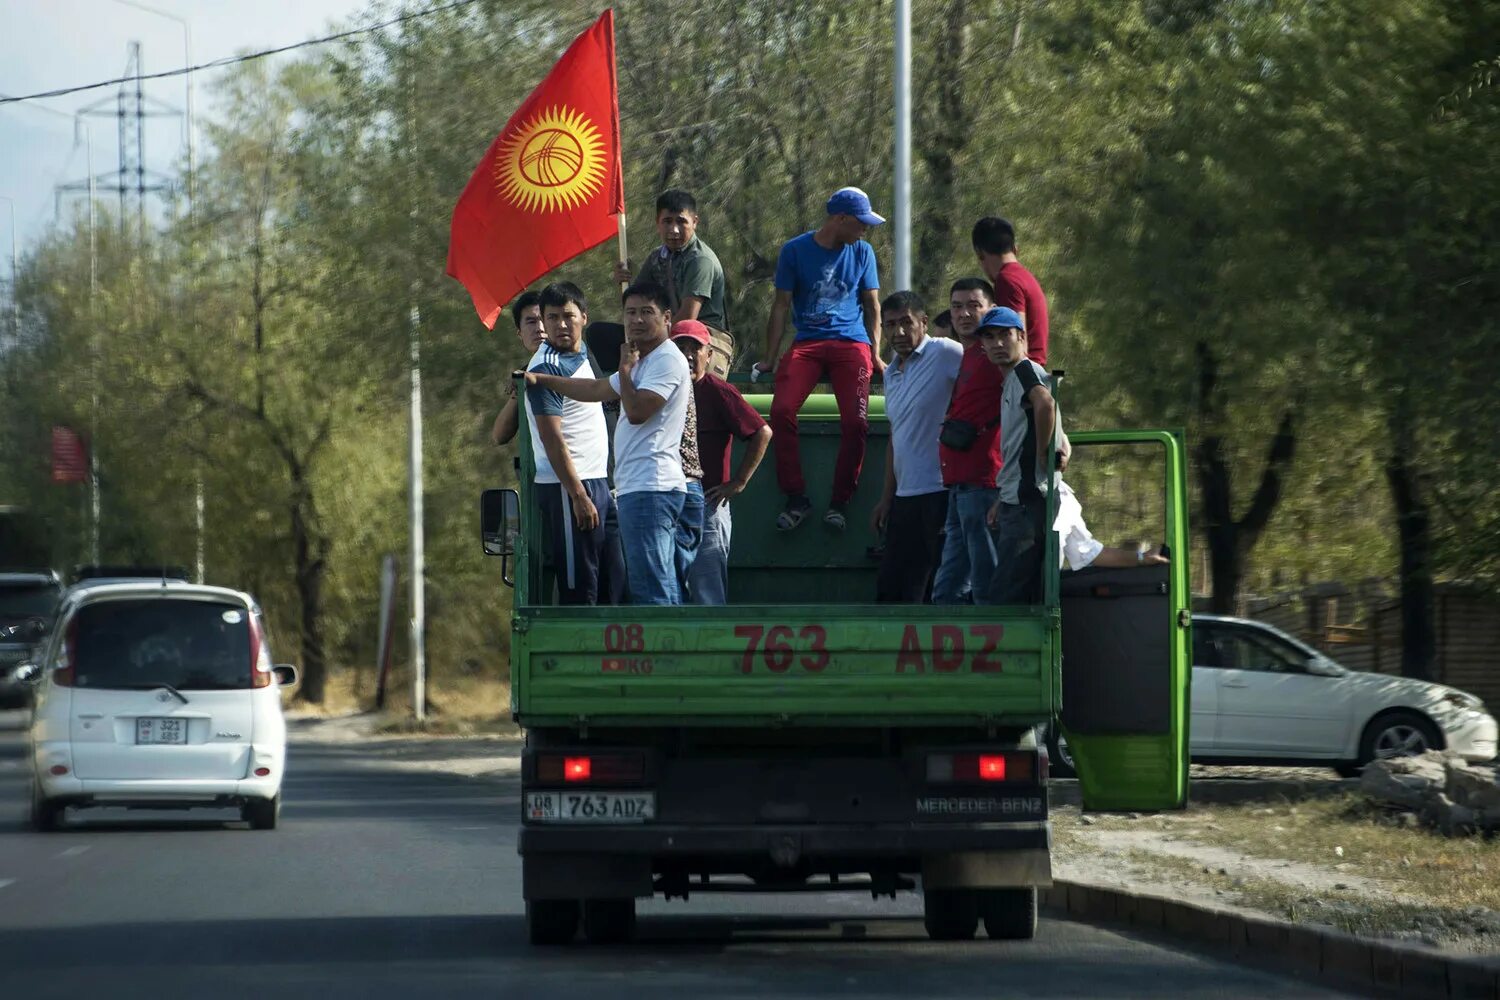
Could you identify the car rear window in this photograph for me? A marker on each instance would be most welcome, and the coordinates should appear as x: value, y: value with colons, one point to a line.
x: 203, y: 645
x: 22, y: 602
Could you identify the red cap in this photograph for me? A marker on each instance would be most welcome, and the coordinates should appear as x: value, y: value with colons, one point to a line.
x: 692, y: 330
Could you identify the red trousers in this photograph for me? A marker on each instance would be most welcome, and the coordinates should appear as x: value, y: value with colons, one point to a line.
x: 845, y: 364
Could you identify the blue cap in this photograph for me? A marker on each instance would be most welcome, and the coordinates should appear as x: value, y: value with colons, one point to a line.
x: 1003, y: 318
x: 853, y: 201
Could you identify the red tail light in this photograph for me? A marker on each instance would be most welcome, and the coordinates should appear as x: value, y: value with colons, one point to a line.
x: 1013, y: 765
x: 260, y: 656
x: 596, y: 768
x: 63, y: 675
x: 261, y: 772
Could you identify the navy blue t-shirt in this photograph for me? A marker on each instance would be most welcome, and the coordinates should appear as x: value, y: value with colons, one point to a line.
x: 825, y: 287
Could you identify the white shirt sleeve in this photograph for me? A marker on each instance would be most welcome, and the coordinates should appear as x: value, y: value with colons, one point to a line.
x: 660, y: 376
x: 1078, y: 547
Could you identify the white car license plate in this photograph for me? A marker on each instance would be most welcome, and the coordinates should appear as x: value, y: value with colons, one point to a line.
x: 590, y: 807
x: 160, y: 731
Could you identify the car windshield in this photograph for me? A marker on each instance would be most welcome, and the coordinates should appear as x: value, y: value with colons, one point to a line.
x: 21, y: 602
x: 203, y: 645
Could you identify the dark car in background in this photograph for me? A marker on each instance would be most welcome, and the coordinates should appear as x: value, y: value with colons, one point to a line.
x: 27, y: 603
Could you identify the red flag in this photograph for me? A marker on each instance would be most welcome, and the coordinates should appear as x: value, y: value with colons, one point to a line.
x: 69, y: 458
x: 550, y: 186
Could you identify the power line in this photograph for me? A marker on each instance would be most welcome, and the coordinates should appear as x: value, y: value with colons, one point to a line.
x: 247, y: 57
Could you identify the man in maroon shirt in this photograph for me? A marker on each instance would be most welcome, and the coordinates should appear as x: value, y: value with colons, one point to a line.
x: 1015, y: 287
x: 723, y: 415
x: 969, y: 472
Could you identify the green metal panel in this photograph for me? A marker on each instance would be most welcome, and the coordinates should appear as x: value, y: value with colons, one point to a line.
x: 789, y: 664
x: 1148, y: 771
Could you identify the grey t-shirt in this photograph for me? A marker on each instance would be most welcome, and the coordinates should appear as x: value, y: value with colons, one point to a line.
x: 1020, y: 476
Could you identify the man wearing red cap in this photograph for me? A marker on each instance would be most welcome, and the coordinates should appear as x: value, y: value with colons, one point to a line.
x: 723, y: 415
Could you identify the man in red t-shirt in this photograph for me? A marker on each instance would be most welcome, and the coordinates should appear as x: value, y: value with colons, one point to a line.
x: 723, y: 415
x: 1015, y: 287
x: 969, y: 473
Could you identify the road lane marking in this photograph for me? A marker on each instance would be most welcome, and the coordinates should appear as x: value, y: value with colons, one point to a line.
x: 6, y: 881
x: 72, y: 852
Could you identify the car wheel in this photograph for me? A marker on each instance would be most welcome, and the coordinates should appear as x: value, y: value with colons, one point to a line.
x: 551, y: 921
x: 950, y: 914
x: 1008, y: 914
x: 1398, y: 734
x: 262, y: 814
x: 608, y: 921
x: 1059, y: 758
x: 46, y: 816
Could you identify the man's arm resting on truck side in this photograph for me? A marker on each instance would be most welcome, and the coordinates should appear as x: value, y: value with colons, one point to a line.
x: 549, y: 429
x: 1044, y: 416
x: 585, y: 390
x: 869, y: 304
x: 882, y: 511
x: 508, y: 422
x: 755, y: 450
x: 775, y: 329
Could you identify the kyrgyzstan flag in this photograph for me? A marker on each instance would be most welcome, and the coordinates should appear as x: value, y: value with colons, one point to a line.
x: 549, y: 187
x: 69, y: 457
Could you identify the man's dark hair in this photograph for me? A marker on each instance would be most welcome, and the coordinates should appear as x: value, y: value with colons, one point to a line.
x: 994, y: 235
x: 910, y: 301
x: 943, y: 320
x: 558, y: 294
x: 676, y: 201
x: 523, y: 302
x: 973, y: 285
x: 648, y: 290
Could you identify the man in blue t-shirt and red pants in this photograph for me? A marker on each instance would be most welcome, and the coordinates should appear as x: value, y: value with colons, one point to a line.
x: 827, y: 280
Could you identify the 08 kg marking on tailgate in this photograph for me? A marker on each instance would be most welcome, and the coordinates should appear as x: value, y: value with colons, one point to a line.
x: 590, y: 807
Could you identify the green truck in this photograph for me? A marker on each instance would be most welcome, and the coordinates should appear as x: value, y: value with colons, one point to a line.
x: 804, y: 738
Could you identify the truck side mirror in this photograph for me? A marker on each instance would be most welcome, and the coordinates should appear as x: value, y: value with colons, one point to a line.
x: 499, y: 521
x: 28, y: 673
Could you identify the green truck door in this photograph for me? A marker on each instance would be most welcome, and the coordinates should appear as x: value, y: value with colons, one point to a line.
x: 1126, y: 646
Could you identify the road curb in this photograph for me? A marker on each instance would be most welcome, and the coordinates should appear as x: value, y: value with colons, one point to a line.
x: 1384, y: 968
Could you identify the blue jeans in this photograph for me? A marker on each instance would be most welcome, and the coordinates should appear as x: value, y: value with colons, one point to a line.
x: 648, y: 531
x: 708, y: 581
x: 689, y: 536
x: 968, y: 546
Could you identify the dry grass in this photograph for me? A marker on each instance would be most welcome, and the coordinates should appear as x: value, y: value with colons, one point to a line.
x: 466, y: 705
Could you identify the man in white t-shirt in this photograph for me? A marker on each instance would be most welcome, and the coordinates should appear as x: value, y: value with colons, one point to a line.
x: 570, y: 448
x: 653, y: 386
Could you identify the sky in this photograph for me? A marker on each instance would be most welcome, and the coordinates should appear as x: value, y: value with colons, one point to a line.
x: 49, y: 44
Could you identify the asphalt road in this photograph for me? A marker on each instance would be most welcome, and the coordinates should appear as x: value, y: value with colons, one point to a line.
x: 397, y: 883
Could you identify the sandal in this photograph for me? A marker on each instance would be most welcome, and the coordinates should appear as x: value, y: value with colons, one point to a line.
x: 834, y: 519
x: 796, y: 510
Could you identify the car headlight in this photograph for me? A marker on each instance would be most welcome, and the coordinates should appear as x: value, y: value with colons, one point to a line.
x: 1459, y: 699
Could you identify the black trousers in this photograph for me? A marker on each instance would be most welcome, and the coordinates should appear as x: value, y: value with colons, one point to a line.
x: 590, y: 566
x: 913, y: 548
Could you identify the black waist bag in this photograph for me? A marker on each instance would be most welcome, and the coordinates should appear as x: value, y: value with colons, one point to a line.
x: 960, y: 435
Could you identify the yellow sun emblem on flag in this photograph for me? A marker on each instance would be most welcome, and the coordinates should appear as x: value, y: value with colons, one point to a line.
x: 553, y: 162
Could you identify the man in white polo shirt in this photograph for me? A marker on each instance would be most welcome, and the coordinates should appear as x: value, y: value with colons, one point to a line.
x: 914, y: 504
x: 653, y: 386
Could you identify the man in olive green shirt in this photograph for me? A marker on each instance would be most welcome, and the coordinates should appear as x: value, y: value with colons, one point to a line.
x: 683, y: 265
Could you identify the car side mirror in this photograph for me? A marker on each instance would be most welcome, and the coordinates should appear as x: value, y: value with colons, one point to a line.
x: 499, y: 521
x: 285, y: 674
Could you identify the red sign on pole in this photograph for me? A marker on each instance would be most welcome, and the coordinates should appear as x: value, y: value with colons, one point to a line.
x: 70, y: 460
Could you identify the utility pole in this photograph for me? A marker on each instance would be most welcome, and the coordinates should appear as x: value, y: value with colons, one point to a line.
x: 903, y: 145
x: 418, y: 530
x: 15, y: 277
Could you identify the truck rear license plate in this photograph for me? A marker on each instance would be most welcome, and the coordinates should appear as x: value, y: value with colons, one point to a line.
x: 160, y: 731
x: 590, y: 807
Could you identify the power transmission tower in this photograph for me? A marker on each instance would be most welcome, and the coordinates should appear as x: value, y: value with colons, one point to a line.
x: 130, y: 107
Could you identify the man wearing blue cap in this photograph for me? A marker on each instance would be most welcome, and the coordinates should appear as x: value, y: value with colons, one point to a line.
x: 827, y: 280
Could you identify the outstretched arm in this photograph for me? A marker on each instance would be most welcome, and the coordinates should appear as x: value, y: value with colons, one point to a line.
x: 585, y: 390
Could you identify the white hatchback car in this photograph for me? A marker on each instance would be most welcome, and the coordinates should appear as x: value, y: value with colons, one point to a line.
x: 158, y: 695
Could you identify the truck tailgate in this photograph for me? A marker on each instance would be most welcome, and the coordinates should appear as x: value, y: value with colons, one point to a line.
x: 881, y: 664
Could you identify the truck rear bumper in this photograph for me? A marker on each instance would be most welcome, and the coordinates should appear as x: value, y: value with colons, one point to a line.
x: 785, y: 841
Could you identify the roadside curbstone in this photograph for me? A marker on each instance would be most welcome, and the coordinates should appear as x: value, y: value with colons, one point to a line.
x: 1366, y: 965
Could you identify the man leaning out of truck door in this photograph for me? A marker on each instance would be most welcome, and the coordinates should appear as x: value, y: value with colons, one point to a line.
x: 570, y: 447
x: 653, y: 385
x: 723, y: 415
x: 913, y: 504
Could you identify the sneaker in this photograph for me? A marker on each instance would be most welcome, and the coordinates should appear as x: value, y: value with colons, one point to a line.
x: 835, y: 518
x: 796, y: 509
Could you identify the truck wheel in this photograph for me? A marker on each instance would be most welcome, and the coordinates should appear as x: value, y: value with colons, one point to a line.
x: 608, y: 921
x: 551, y: 921
x: 950, y: 914
x: 1008, y: 914
x: 1059, y: 760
